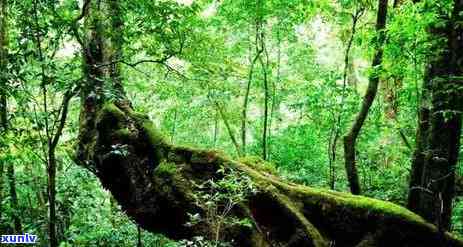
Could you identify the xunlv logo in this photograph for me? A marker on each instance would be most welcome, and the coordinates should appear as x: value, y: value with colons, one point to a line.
x: 18, y: 239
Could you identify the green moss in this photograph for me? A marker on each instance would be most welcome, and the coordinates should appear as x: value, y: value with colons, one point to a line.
x: 165, y: 169
x: 369, y: 205
x: 110, y: 117
x: 113, y: 110
x: 185, y: 149
x: 259, y: 164
x: 155, y: 137
x: 120, y: 114
x: 123, y: 133
x: 307, y: 227
x: 142, y: 119
x: 336, y: 199
x: 204, y: 157
x: 139, y: 116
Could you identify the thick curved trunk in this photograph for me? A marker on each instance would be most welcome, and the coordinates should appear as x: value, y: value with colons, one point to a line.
x: 175, y: 191
x: 350, y: 139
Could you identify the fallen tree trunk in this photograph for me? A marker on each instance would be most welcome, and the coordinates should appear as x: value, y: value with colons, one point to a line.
x: 176, y: 191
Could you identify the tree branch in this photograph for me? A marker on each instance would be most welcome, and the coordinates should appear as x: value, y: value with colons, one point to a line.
x: 64, y: 112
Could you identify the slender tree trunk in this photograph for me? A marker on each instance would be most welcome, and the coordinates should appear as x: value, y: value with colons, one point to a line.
x: 274, y: 103
x: 3, y: 84
x: 14, y: 198
x: 3, y: 63
x: 51, y: 162
x: 174, y: 125
x: 139, y: 241
x: 53, y: 136
x: 350, y: 139
x: 352, y: 78
x: 264, y: 63
x: 216, y: 127
x: 438, y: 138
x: 52, y: 196
x: 422, y: 131
x: 390, y: 89
x: 265, y: 66
x: 417, y: 166
x: 39, y: 190
x: 230, y: 131
x: 333, y: 142
x: 244, y: 111
x: 52, y: 132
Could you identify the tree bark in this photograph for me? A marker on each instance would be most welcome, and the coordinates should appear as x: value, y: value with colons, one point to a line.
x: 266, y: 102
x: 417, y: 166
x: 51, y: 188
x: 116, y: 42
x: 95, y: 55
x: 432, y: 183
x: 350, y: 139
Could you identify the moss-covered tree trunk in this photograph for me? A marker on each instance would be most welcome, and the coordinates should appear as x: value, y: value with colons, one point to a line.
x: 170, y: 190
x: 432, y: 184
x: 102, y: 54
x: 92, y: 96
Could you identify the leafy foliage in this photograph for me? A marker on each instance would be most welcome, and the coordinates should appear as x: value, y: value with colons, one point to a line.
x: 181, y: 60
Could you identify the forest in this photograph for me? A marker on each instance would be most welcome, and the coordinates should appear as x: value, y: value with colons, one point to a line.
x: 231, y: 123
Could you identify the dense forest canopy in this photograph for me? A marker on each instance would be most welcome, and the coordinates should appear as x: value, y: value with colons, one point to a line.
x: 232, y: 123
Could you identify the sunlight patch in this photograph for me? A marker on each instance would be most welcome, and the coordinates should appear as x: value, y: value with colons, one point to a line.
x: 211, y: 10
x: 185, y: 2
